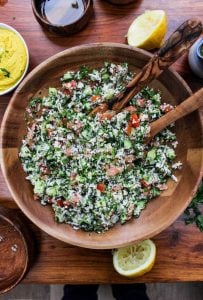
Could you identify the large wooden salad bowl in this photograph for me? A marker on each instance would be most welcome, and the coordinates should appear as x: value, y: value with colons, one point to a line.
x: 160, y: 212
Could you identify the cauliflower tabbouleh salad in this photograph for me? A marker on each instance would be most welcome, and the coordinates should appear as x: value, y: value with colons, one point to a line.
x: 96, y: 170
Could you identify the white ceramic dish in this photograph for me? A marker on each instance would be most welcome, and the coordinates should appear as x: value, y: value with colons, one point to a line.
x: 2, y: 25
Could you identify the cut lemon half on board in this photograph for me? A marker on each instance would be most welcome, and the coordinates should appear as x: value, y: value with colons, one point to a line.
x: 135, y: 260
x: 148, y: 30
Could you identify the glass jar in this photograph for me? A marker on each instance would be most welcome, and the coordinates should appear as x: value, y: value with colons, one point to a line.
x: 195, y: 58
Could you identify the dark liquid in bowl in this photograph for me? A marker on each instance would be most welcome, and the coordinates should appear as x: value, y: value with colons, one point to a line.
x: 201, y: 50
x: 62, y: 12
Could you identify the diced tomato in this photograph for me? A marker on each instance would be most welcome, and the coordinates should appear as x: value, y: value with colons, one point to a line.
x: 67, y: 85
x: 167, y: 109
x: 130, y: 109
x: 31, y: 132
x: 162, y: 187
x: 73, y: 84
x: 75, y: 199
x: 50, y: 200
x: 73, y: 176
x: 130, y: 211
x: 144, y: 183
x: 69, y: 152
x: 78, y: 126
x: 72, y: 202
x: 135, y: 120
x: 101, y: 187
x: 113, y: 170
x: 70, y: 85
x: 102, y: 108
x: 60, y: 203
x: 44, y: 169
x: 95, y: 97
x: 117, y: 188
x: 108, y: 115
x: 69, y: 125
x: 141, y: 102
x: 128, y: 129
x: 66, y: 92
x: 49, y: 131
x: 130, y: 158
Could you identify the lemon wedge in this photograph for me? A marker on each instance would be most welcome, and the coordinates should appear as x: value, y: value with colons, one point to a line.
x: 135, y: 260
x: 148, y: 30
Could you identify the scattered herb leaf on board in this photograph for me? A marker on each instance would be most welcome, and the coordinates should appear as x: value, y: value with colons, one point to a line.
x: 193, y: 212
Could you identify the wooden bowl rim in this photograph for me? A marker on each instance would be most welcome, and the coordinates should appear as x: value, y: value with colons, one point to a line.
x: 42, y: 225
x: 14, y: 223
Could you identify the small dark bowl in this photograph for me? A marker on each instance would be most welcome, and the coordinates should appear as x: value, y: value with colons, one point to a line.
x: 16, y: 248
x: 68, y: 29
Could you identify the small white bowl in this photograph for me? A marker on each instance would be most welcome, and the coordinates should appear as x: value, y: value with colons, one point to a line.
x: 2, y: 25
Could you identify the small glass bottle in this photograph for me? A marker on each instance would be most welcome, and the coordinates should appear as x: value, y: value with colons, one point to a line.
x: 195, y: 58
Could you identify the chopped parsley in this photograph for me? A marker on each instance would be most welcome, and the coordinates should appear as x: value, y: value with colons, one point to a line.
x: 193, y: 213
x: 5, y: 72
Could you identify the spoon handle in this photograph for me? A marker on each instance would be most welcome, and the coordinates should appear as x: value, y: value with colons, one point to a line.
x: 186, y: 107
x: 177, y: 44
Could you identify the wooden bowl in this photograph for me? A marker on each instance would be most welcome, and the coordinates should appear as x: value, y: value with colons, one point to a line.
x: 160, y: 212
x: 67, y: 29
x: 14, y: 249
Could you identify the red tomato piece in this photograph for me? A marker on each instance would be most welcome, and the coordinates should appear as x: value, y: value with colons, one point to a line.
x: 141, y: 102
x: 73, y: 84
x: 60, y: 203
x: 108, y: 115
x: 113, y: 170
x: 128, y: 129
x: 69, y: 152
x: 144, y: 183
x: 101, y: 187
x: 135, y: 120
x: 130, y: 108
x: 95, y: 97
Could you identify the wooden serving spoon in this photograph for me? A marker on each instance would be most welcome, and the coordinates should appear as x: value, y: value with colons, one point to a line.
x: 177, y: 44
x: 186, y: 107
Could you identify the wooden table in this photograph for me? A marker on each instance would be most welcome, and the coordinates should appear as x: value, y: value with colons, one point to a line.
x: 180, y: 247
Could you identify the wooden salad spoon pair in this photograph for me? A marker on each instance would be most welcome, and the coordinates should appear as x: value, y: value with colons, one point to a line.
x: 178, y: 43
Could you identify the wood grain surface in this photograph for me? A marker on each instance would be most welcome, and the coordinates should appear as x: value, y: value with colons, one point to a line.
x: 180, y: 247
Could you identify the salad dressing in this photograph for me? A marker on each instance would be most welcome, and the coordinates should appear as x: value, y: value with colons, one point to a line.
x: 62, y: 12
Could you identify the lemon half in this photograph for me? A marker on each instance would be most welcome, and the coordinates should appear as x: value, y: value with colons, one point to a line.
x: 148, y: 30
x: 135, y: 260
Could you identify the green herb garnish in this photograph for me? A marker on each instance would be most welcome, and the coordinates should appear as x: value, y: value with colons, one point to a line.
x: 6, y: 73
x: 193, y: 212
x: 84, y: 71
